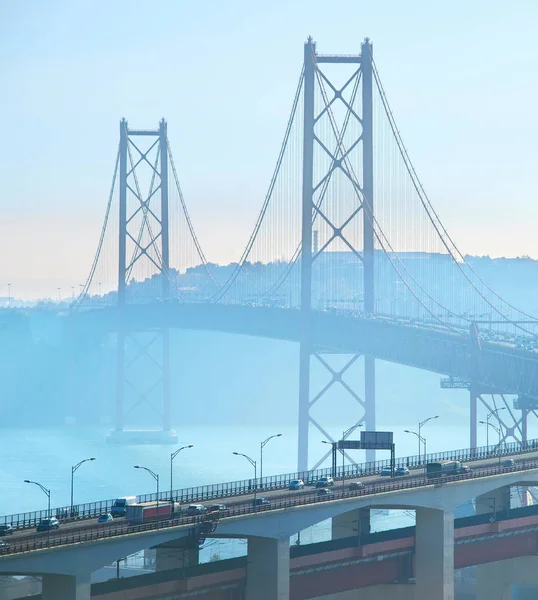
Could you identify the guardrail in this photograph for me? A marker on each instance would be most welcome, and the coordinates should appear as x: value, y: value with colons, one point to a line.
x: 275, y: 482
x: 43, y: 541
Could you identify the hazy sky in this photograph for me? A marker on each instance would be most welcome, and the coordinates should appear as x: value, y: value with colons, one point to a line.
x: 461, y: 77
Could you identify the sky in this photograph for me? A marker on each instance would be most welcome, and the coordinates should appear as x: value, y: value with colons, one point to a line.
x: 460, y: 76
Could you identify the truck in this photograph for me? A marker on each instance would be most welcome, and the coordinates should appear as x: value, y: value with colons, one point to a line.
x: 147, y: 511
x: 443, y: 468
x: 119, y: 506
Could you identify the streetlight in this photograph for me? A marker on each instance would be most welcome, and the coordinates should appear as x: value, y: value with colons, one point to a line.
x: 420, y: 440
x: 261, y: 453
x: 493, y: 412
x: 497, y: 429
x: 172, y: 456
x: 73, y: 470
x: 253, y: 463
x: 59, y: 296
x: 47, y: 493
x: 9, y: 295
x: 156, y: 477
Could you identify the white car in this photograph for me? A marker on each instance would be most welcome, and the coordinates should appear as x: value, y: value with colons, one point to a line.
x: 296, y: 484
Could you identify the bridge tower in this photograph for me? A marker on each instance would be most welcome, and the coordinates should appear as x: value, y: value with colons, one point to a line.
x: 143, y: 237
x: 310, y: 250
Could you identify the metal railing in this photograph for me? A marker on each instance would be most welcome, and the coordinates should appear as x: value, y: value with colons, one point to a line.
x: 33, y: 542
x: 230, y: 489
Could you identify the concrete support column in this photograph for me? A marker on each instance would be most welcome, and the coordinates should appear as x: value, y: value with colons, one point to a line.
x: 434, y: 554
x: 268, y: 569
x: 496, y: 502
x: 169, y: 557
x: 352, y: 523
x: 66, y: 587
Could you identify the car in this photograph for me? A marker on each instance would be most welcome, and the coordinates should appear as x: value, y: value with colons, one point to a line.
x: 386, y: 471
x: 217, y: 508
x: 48, y: 524
x: 356, y: 485
x: 296, y: 484
x: 6, y: 529
x: 196, y: 509
x: 509, y: 462
x: 401, y: 471
x: 325, y: 492
x: 323, y: 482
x: 260, y: 502
x: 466, y: 469
x: 4, y: 547
x: 105, y: 518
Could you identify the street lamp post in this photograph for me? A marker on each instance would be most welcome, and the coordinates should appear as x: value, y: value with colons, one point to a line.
x: 9, y: 295
x: 46, y: 491
x: 420, y: 440
x: 172, y: 456
x: 156, y: 477
x: 261, y: 453
x: 344, y: 434
x: 253, y: 463
x: 498, y: 430
x: 420, y: 426
x: 73, y: 470
x: 493, y: 412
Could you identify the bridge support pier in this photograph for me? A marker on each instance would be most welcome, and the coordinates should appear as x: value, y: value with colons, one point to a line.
x: 66, y: 587
x: 268, y: 569
x: 493, y: 580
x: 434, y: 558
x: 352, y: 523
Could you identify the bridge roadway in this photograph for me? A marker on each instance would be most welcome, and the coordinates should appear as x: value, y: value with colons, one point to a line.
x: 240, y: 505
x: 344, y: 564
x: 500, y: 367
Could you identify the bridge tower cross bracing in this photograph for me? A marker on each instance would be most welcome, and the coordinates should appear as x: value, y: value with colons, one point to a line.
x: 308, y: 255
x: 156, y: 249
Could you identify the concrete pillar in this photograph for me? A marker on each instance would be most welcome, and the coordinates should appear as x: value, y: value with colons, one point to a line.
x: 496, y: 502
x: 352, y: 523
x: 434, y: 554
x: 170, y: 557
x: 66, y: 587
x: 494, y: 580
x: 268, y: 569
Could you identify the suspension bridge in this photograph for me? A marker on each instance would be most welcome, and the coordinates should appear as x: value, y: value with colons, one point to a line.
x: 348, y: 257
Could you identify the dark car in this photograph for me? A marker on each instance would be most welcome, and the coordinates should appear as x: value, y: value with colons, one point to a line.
x: 323, y: 482
x: 261, y: 502
x: 509, y: 462
x: 356, y: 485
x: 325, y: 492
x: 196, y: 509
x: 401, y: 471
x: 6, y: 529
x: 4, y: 547
x: 48, y: 524
x: 217, y: 508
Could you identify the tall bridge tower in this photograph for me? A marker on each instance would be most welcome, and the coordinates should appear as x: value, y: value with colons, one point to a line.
x: 314, y: 176
x: 143, y: 237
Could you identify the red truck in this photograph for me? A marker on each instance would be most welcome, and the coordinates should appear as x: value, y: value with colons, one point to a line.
x: 147, y: 511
